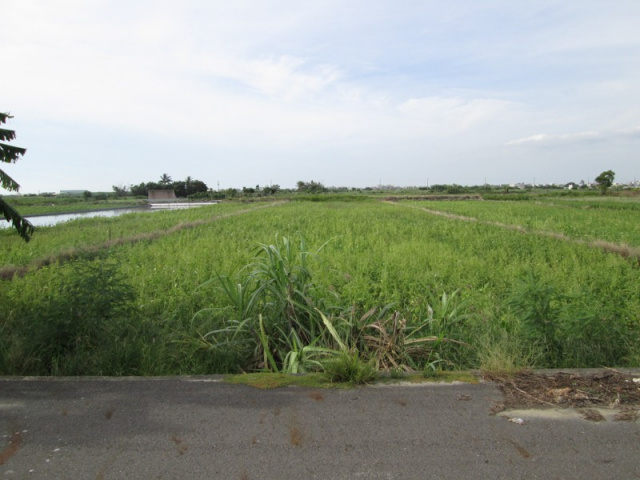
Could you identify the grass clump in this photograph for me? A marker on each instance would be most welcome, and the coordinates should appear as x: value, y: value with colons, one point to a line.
x: 501, y: 352
x: 349, y: 367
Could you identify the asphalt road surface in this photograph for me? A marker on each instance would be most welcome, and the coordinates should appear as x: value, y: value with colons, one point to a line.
x: 202, y: 428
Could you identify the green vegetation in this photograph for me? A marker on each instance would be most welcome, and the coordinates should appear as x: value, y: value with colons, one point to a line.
x: 83, y: 236
x: 311, y: 187
x: 190, y: 187
x: 278, y: 380
x: 325, y: 287
x: 86, y: 322
x: 268, y: 380
x: 605, y: 180
x: 583, y: 218
x: 11, y: 154
x: 349, y: 367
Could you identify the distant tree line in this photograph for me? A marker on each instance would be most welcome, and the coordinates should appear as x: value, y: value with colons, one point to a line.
x: 182, y: 188
x: 311, y: 187
x: 192, y: 188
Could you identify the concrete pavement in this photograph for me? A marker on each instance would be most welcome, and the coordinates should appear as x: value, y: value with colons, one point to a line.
x: 202, y: 428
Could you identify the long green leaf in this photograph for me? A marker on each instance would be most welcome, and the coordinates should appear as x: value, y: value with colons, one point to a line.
x: 264, y: 339
x: 332, y: 331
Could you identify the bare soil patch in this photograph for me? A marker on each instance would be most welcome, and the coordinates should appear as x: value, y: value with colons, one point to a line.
x: 603, y: 389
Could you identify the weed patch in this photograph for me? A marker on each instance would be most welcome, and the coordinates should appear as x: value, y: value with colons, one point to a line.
x: 348, y: 367
x: 278, y: 380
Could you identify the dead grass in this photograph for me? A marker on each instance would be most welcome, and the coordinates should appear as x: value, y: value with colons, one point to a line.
x: 608, y: 389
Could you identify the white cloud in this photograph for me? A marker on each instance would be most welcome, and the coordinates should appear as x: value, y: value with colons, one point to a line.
x: 548, y: 140
x: 206, y: 93
x: 455, y: 115
x: 285, y: 77
x: 362, y: 83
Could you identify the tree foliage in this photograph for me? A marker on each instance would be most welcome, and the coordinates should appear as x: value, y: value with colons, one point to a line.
x: 271, y: 190
x: 311, y: 187
x: 120, y: 190
x: 11, y: 154
x: 182, y: 188
x: 605, y: 180
x: 189, y: 187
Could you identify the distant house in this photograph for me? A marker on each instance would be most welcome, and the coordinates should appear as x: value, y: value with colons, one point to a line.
x: 166, y: 195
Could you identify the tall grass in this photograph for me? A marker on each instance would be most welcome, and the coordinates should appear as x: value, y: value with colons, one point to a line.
x: 273, y: 309
x: 282, y: 321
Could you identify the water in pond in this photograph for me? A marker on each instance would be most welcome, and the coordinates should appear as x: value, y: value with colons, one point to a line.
x: 50, y: 220
x: 54, y: 219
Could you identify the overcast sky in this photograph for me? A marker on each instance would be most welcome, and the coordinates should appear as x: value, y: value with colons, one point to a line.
x: 348, y: 93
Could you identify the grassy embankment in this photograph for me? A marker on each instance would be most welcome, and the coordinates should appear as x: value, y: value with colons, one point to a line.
x: 447, y: 293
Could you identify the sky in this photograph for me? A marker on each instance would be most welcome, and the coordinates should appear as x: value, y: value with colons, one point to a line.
x: 348, y: 92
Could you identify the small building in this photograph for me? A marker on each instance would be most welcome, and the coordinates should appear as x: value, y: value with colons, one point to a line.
x: 165, y: 195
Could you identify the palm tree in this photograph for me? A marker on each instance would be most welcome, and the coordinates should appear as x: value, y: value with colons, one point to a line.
x: 165, y: 179
x: 11, y: 154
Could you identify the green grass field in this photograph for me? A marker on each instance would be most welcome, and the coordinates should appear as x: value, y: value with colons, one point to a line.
x: 586, y: 218
x: 171, y: 293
